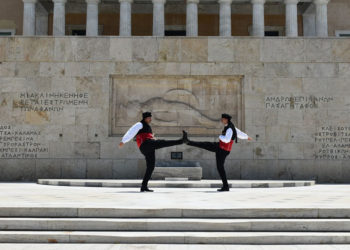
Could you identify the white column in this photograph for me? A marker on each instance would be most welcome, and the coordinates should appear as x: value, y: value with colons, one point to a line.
x: 225, y: 17
x: 29, y: 17
x: 258, y: 18
x: 41, y: 20
x: 192, y: 18
x: 158, y: 17
x: 321, y: 18
x: 309, y: 21
x: 59, y: 17
x: 291, y: 17
x: 125, y: 18
x: 92, y: 17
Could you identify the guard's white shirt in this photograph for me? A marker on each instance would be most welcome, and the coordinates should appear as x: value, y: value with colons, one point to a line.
x: 132, y: 132
x: 227, y: 137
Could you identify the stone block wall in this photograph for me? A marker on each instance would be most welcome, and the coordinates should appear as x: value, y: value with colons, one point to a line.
x: 56, y: 101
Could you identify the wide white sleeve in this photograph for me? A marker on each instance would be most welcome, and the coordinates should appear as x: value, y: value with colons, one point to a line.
x: 132, y: 132
x: 241, y: 135
x: 227, y: 137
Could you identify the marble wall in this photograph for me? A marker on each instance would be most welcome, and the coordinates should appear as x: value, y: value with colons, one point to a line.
x: 56, y: 104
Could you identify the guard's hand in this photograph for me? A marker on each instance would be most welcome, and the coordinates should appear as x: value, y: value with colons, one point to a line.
x: 249, y: 138
x: 121, y: 144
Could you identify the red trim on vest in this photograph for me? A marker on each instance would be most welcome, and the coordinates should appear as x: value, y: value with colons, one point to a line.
x: 142, y: 137
x: 226, y: 146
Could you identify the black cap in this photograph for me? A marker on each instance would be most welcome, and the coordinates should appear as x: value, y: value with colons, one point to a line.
x: 146, y: 114
x: 226, y: 116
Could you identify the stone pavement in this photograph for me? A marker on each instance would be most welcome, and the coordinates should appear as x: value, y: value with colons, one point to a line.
x: 35, y: 213
x: 168, y: 247
x: 30, y: 194
x: 176, y: 183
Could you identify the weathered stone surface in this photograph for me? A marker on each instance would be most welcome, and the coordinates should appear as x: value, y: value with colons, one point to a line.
x: 247, y: 50
x: 144, y: 49
x: 47, y: 168
x: 3, y: 43
x: 341, y: 50
x: 7, y: 69
x: 319, y: 50
x: 30, y: 49
x: 73, y: 168
x: 17, y: 169
x: 194, y: 50
x: 52, y: 69
x: 92, y: 49
x: 290, y: 151
x: 192, y: 173
x: 344, y: 69
x: 99, y: 169
x: 220, y: 50
x: 121, y: 49
x: 282, y: 50
x: 169, y: 50
x: 192, y: 75
x: 265, y: 151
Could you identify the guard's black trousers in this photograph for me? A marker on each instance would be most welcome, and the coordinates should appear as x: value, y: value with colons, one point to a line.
x: 148, y: 149
x: 220, y: 157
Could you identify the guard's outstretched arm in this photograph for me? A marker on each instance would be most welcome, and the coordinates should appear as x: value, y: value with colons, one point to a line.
x: 131, y: 133
x: 243, y: 136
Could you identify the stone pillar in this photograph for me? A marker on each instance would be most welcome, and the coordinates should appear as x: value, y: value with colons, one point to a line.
x: 321, y: 18
x: 41, y: 20
x: 258, y: 18
x: 92, y: 17
x: 158, y: 17
x: 225, y: 17
x: 192, y: 18
x: 125, y: 18
x: 59, y: 18
x: 291, y: 17
x: 309, y: 21
x: 29, y: 17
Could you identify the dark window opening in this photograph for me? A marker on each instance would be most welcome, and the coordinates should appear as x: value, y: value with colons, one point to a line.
x: 78, y: 32
x: 344, y: 35
x: 6, y: 33
x: 175, y: 33
x: 272, y: 33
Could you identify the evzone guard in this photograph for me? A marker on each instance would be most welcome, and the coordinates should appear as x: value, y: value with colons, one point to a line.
x: 147, y: 145
x: 222, y: 148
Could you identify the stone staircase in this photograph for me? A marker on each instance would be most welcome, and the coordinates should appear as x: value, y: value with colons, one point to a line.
x: 174, y: 226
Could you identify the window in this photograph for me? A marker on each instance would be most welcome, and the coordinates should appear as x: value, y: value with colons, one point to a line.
x: 78, y: 32
x: 272, y: 33
x: 271, y: 30
x: 342, y: 33
x: 7, y: 32
x: 175, y: 33
x: 175, y: 30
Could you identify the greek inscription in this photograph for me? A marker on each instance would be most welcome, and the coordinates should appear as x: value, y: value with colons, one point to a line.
x: 333, y: 143
x: 296, y: 102
x: 21, y: 143
x: 52, y: 101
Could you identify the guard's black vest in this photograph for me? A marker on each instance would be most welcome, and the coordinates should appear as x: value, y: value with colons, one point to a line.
x: 144, y: 134
x: 234, y: 132
x: 146, y: 128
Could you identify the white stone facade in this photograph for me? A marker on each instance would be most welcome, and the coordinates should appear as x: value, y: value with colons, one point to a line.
x: 295, y: 101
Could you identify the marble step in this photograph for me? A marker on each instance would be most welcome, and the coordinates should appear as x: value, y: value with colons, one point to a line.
x: 176, y: 184
x: 175, y: 237
x: 171, y: 224
x: 132, y: 212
